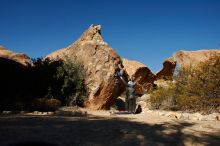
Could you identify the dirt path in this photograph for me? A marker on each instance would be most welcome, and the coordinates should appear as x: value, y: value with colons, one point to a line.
x: 100, y: 128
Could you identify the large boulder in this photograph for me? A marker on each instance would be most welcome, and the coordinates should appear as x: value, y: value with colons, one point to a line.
x: 142, y: 73
x: 100, y: 62
x: 13, y: 68
x: 168, y: 69
x: 192, y: 58
x: 17, y: 57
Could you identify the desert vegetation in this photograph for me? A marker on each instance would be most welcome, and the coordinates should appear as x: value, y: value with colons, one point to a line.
x: 45, y: 85
x: 192, y: 89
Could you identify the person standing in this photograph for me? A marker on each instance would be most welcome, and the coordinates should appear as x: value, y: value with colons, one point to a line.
x: 130, y: 100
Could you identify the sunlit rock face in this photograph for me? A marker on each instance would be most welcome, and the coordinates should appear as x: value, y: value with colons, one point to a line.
x: 192, y: 58
x: 100, y: 62
x: 17, y: 57
x: 184, y: 59
x: 141, y: 73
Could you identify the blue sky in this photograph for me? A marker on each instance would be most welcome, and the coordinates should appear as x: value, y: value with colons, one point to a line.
x: 145, y: 30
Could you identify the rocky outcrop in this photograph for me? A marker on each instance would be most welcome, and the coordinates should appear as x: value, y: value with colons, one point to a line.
x: 100, y: 62
x: 13, y: 73
x: 12, y: 76
x: 169, y: 66
x: 142, y: 73
x: 18, y: 57
x: 192, y: 58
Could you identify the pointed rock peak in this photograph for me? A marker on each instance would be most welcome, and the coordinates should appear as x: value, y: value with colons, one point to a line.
x: 92, y: 35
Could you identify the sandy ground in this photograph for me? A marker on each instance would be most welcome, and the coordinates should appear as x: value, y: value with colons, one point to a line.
x: 100, y: 128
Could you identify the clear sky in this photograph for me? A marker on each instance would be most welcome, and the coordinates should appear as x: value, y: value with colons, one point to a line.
x: 145, y: 30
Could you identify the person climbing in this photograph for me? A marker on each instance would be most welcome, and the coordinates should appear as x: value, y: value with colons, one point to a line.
x: 130, y: 100
x: 118, y: 71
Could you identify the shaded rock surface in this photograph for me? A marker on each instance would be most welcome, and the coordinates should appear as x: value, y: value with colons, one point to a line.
x: 142, y: 73
x: 13, y: 73
x: 169, y: 66
x: 187, y: 58
x: 18, y: 57
x: 100, y: 62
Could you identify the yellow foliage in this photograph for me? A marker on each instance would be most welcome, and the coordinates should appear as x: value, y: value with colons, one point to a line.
x: 45, y: 104
x: 196, y: 88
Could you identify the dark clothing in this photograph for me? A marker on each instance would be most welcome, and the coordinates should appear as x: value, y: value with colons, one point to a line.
x: 130, y: 101
x: 132, y: 105
x: 118, y: 73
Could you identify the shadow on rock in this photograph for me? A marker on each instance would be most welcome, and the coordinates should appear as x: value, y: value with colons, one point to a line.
x: 120, y: 104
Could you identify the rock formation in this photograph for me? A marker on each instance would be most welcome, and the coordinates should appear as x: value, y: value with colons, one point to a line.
x: 12, y: 75
x: 100, y: 62
x: 169, y: 66
x: 142, y: 73
x: 18, y: 57
x: 187, y: 58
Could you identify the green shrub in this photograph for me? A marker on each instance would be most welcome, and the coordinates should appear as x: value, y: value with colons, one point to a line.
x: 62, y: 79
x: 71, y: 76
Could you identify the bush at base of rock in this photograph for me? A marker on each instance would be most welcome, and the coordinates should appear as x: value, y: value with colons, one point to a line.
x: 195, y: 89
x: 162, y: 98
x: 44, y: 104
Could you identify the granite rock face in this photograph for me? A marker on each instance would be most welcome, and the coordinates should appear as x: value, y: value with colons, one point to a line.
x: 17, y: 57
x: 192, y: 58
x: 100, y: 62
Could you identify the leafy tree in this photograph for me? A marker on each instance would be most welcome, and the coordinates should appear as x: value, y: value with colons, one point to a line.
x: 44, y: 85
x: 70, y: 76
